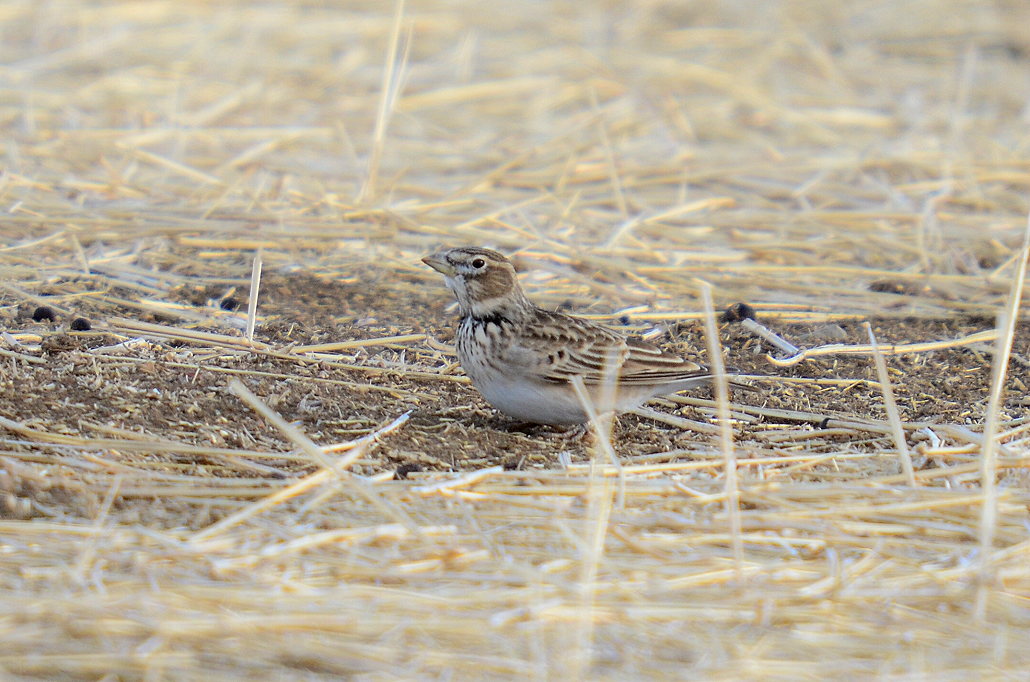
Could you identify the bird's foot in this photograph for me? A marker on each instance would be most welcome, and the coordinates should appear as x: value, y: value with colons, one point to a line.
x: 571, y: 432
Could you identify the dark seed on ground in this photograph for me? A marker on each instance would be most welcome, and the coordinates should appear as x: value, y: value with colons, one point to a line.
x: 738, y: 312
x: 43, y: 312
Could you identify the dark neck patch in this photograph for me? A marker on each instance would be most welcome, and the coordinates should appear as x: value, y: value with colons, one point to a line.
x: 496, y: 317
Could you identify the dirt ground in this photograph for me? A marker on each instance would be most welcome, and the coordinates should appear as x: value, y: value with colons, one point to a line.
x: 177, y: 391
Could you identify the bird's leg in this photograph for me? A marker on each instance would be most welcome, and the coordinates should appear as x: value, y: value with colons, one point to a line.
x: 571, y: 432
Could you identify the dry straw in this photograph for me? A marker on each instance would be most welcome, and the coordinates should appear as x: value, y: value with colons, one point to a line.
x: 302, y: 485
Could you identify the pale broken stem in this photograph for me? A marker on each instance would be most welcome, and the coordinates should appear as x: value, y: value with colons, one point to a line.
x: 180, y: 333
x: 449, y: 485
x: 763, y: 332
x: 364, y: 441
x: 390, y: 92
x: 893, y: 416
x: 601, y: 424
x: 824, y: 421
x: 38, y: 300
x: 989, y: 458
x: 361, y: 447
x: 175, y: 167
x: 302, y: 486
x: 598, y: 512
x: 298, y: 437
x: 310, y: 448
x: 358, y: 343
x: 678, y: 422
x: 845, y: 349
x: 599, y: 507
x: 22, y: 356
x: 80, y: 254
x: 85, y: 560
x: 255, y: 286
x: 330, y: 470
x: 599, y: 504
x: 627, y: 226
x: 722, y: 397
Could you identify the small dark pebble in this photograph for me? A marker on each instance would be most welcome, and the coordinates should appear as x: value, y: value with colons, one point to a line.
x: 81, y: 324
x: 229, y: 303
x: 43, y: 312
x: 624, y: 319
x: 738, y: 312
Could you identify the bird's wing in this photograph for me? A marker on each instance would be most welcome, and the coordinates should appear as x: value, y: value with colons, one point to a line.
x: 648, y: 363
x: 559, y: 347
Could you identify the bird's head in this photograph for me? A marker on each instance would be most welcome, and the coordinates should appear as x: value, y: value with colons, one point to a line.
x: 483, y: 281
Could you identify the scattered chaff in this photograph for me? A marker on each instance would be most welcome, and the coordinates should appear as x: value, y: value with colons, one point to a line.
x: 893, y: 416
x: 369, y: 516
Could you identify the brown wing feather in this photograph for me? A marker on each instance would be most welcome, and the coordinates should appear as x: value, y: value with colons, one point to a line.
x: 579, y: 347
x: 648, y: 363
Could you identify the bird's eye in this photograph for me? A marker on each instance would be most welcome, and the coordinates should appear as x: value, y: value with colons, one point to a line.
x: 478, y: 263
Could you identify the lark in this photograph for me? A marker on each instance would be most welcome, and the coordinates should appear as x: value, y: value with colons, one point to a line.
x: 522, y: 358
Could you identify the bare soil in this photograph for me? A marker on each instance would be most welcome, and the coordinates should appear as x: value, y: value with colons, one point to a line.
x: 176, y: 391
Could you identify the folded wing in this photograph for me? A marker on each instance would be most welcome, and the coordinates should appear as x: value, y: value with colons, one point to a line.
x: 573, y: 347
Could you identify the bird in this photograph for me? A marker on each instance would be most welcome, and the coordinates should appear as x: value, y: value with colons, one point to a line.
x: 522, y: 358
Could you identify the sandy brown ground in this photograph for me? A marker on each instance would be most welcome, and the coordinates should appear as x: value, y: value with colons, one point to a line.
x: 89, y: 387
x: 830, y: 164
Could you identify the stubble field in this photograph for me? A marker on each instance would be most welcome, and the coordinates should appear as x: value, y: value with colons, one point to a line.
x: 262, y: 459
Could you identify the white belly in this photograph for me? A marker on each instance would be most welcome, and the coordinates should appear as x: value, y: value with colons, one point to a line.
x: 507, y: 387
x: 533, y: 402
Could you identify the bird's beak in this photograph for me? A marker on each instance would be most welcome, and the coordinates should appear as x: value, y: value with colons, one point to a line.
x: 440, y: 264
